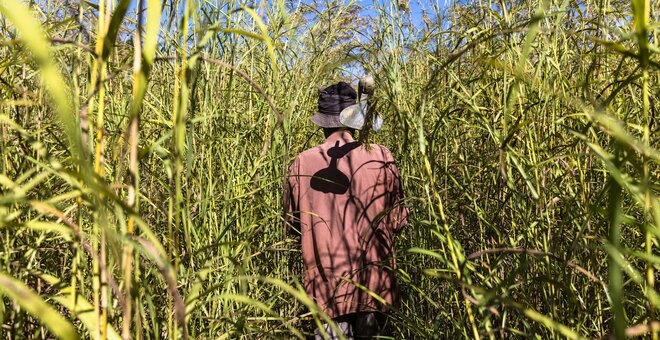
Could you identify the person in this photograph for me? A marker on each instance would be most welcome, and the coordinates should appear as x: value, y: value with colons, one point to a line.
x: 346, y: 201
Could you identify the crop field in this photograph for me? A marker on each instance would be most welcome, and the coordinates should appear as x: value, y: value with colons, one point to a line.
x: 144, y: 145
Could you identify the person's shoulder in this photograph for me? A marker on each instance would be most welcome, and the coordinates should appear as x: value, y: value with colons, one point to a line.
x: 383, y: 148
x: 313, y: 151
x: 306, y: 155
x: 382, y: 151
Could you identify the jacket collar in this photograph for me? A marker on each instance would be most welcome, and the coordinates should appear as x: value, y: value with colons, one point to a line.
x: 343, y: 136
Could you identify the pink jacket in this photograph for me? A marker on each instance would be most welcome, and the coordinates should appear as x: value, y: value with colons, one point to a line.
x: 346, y: 200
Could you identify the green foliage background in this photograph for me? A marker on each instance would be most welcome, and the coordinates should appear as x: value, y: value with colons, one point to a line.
x: 143, y: 154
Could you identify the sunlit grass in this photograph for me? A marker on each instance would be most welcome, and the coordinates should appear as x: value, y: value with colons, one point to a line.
x: 141, y: 175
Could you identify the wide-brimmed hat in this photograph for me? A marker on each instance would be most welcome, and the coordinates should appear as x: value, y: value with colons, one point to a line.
x: 332, y: 100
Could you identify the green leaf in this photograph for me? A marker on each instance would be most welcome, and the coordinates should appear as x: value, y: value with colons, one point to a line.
x: 85, y: 313
x: 151, y: 30
x: 37, y: 307
x: 61, y: 229
x: 416, y: 250
x: 34, y: 39
x: 265, y: 38
x: 113, y: 28
x: 83, y: 310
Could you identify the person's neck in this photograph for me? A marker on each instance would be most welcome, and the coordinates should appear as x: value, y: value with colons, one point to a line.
x: 327, y: 132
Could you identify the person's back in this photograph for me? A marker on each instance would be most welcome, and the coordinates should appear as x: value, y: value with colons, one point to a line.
x: 346, y: 198
x: 345, y: 192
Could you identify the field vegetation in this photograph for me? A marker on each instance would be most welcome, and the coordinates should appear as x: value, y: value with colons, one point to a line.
x: 144, y: 144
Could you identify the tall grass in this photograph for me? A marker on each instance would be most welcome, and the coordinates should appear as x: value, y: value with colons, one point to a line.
x: 144, y: 144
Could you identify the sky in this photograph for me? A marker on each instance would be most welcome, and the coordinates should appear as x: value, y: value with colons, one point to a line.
x: 415, y: 6
x: 414, y: 13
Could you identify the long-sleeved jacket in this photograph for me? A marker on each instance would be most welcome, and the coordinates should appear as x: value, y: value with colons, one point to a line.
x: 347, y: 201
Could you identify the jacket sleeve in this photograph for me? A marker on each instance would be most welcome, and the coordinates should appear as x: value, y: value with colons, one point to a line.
x: 292, y: 199
x: 399, y: 211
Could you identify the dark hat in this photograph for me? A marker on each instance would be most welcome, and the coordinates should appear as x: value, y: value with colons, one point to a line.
x: 332, y: 100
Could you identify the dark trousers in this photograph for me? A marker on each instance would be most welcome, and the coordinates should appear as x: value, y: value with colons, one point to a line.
x: 363, y: 325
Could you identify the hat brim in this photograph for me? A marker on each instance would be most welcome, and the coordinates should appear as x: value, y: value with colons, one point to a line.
x: 326, y: 121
